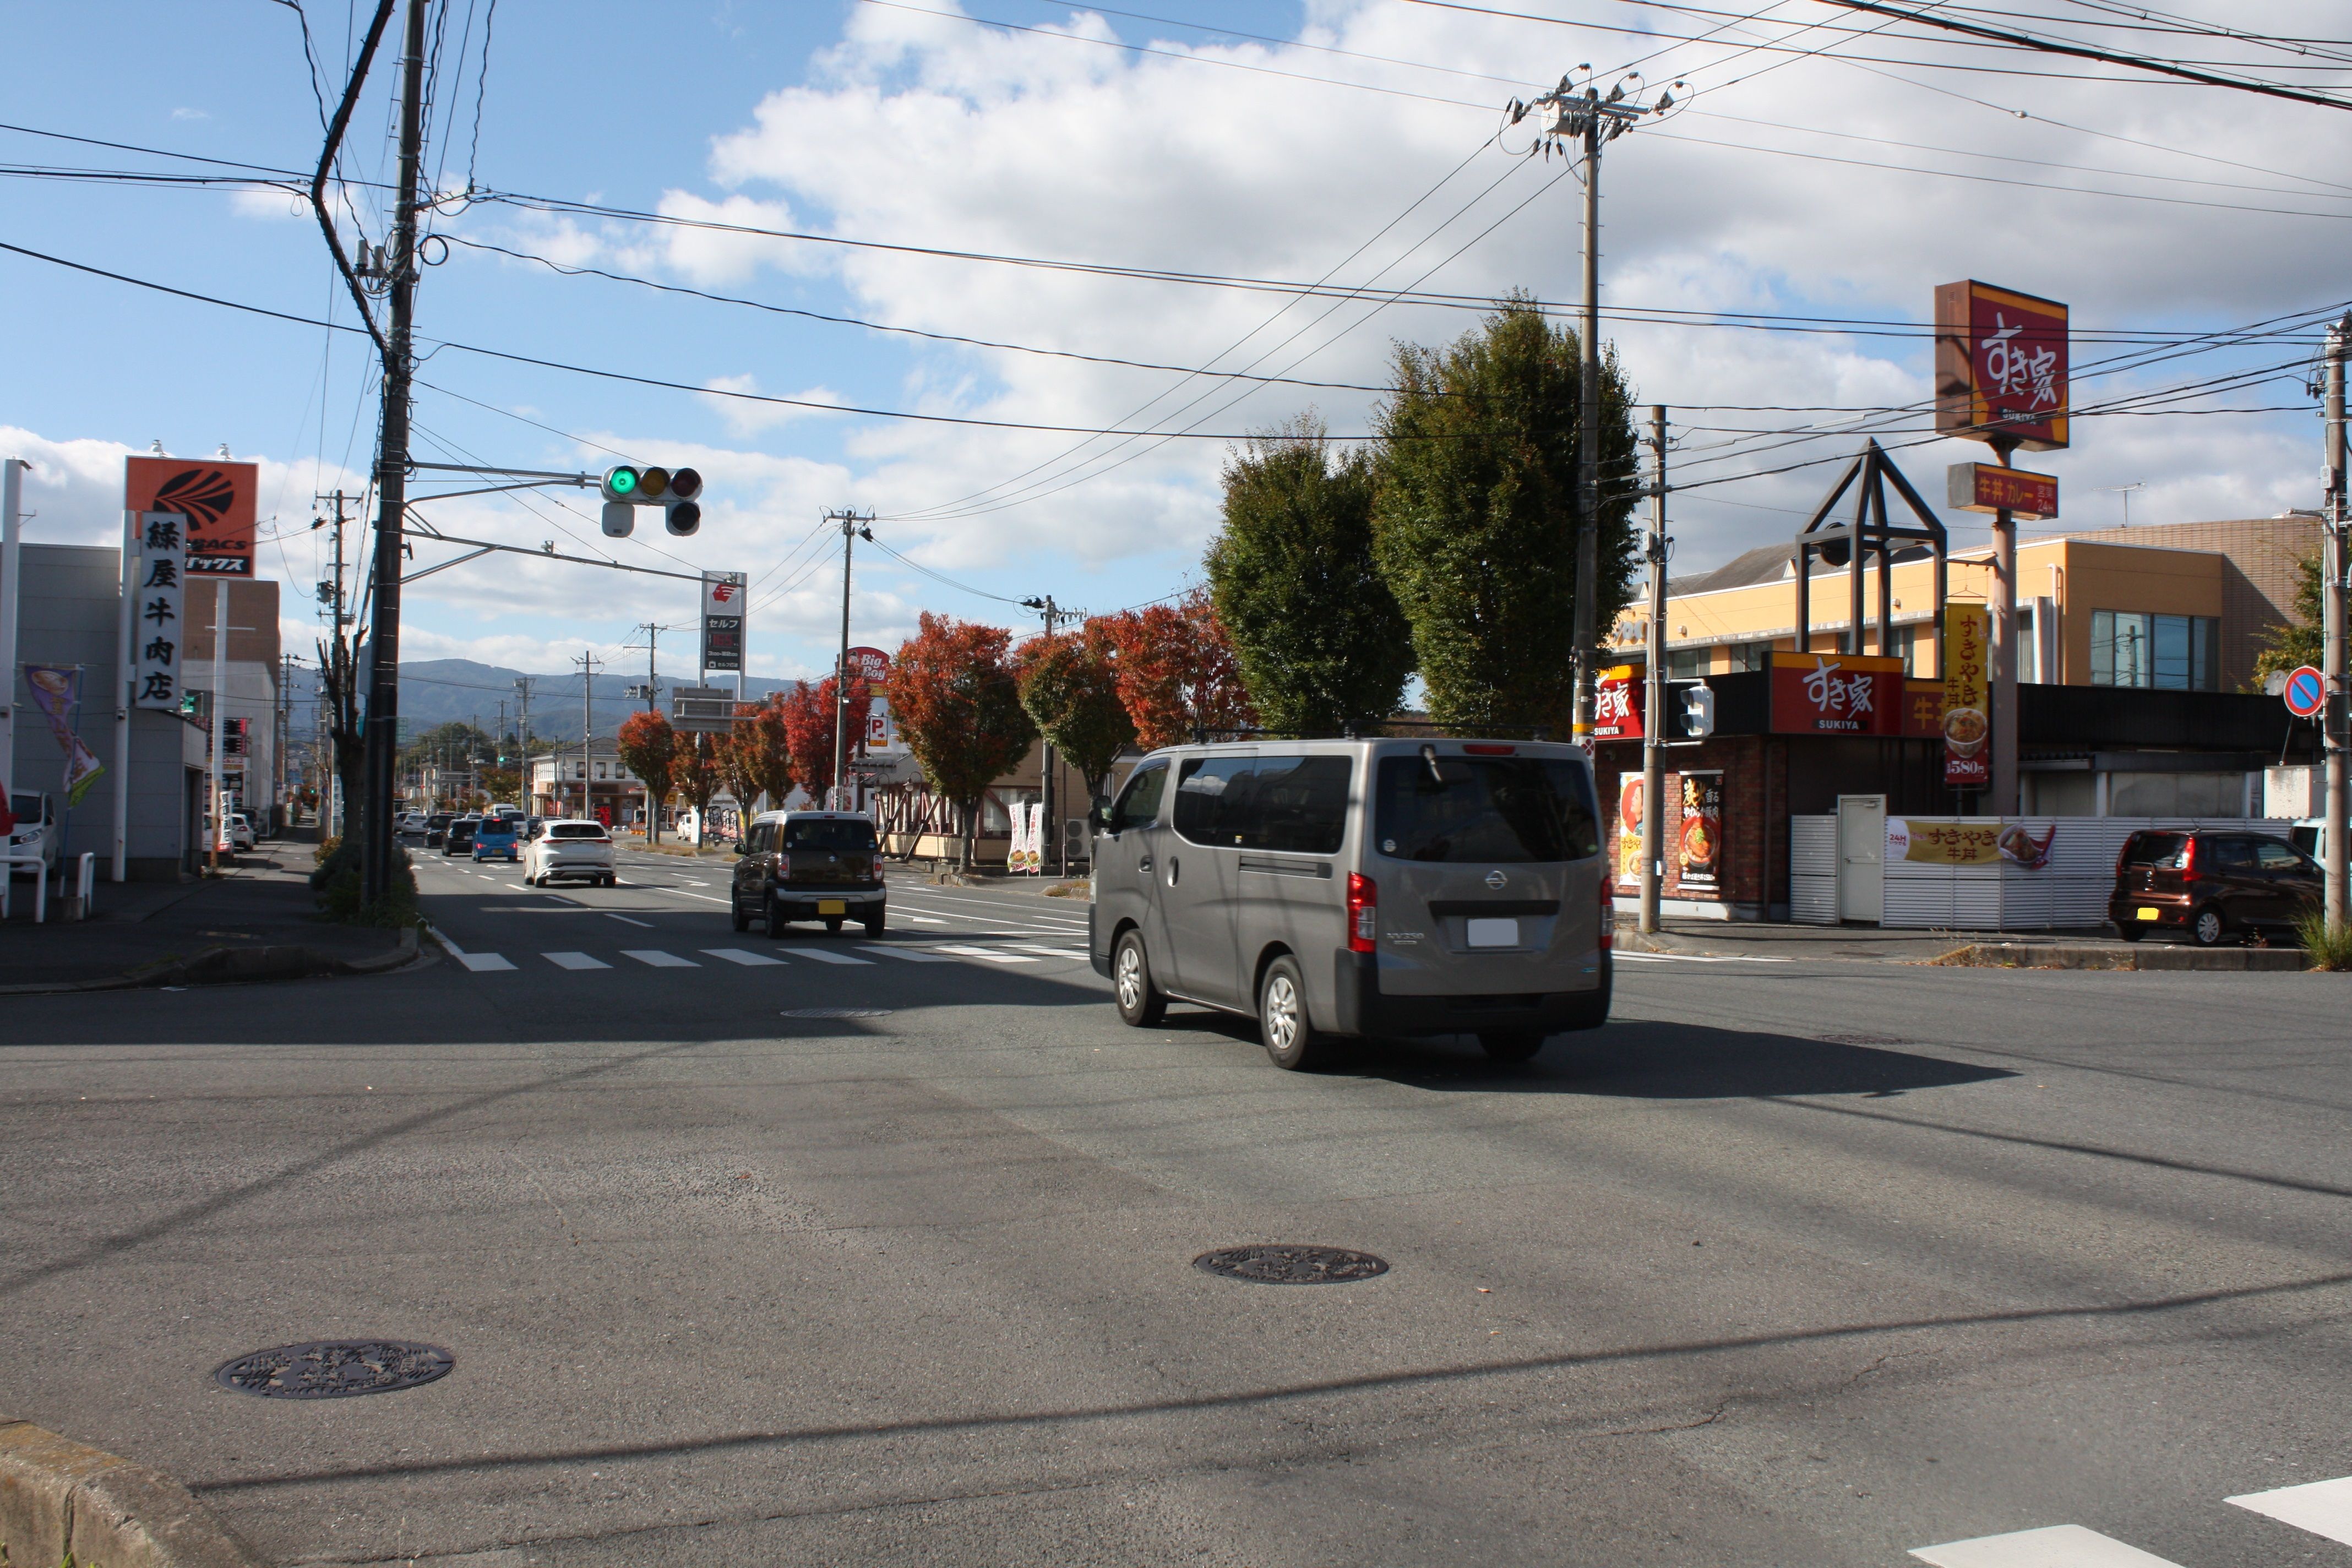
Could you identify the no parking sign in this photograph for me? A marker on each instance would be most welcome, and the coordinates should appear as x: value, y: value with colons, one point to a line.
x: 2305, y: 692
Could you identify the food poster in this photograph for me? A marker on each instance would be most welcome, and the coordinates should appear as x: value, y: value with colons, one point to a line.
x: 1698, y: 850
x: 1629, y: 831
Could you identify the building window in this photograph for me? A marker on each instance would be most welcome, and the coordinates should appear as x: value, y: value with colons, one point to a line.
x: 2027, y: 669
x: 1748, y: 656
x: 1689, y: 663
x: 2169, y: 653
x: 1903, y: 643
x: 600, y: 769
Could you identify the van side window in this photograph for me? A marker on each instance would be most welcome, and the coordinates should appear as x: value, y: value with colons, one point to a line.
x: 1139, y: 803
x: 1289, y: 804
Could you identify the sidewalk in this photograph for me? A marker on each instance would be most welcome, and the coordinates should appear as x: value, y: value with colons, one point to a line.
x: 256, y: 920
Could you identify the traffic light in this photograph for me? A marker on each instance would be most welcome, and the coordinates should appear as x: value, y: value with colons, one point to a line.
x: 1698, y: 713
x: 626, y: 489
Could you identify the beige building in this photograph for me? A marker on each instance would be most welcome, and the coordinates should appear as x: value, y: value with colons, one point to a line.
x: 2179, y: 607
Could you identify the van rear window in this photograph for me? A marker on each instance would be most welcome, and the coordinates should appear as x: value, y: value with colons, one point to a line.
x: 1491, y: 809
x: 1287, y: 803
x: 829, y: 832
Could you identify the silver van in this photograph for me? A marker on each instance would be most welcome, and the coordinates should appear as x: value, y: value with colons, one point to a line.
x: 1358, y: 888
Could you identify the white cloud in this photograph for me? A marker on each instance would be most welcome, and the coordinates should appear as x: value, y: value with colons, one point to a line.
x: 190, y: 114
x: 744, y: 417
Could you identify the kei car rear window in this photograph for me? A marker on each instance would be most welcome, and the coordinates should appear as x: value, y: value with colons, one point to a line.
x: 2152, y: 850
x: 829, y: 832
x: 1494, y: 810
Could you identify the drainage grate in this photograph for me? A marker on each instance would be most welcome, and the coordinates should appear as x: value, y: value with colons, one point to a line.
x: 1273, y: 1264
x: 836, y: 1012
x: 334, y: 1369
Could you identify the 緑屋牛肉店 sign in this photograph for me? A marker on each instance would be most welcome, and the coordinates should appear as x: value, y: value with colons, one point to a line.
x: 1836, y: 694
x: 215, y: 497
x: 2001, y: 365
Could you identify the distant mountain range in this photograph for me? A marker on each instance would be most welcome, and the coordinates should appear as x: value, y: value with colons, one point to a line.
x: 438, y: 691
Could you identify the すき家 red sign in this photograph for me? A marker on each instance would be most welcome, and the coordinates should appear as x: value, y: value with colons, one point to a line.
x: 1836, y: 694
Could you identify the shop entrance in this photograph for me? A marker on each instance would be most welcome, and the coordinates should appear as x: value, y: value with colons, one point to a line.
x: 1862, y: 858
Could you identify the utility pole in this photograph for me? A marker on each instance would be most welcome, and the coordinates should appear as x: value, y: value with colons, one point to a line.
x: 2004, y: 644
x: 333, y: 806
x: 1653, y: 687
x: 392, y: 478
x: 1566, y: 116
x: 2335, y: 717
x: 852, y: 525
x: 1054, y: 616
x: 523, y: 686
x: 587, y: 662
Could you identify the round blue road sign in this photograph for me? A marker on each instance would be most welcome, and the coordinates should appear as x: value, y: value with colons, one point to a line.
x: 2307, y: 693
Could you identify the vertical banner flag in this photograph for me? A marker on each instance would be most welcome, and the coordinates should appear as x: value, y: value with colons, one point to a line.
x: 722, y: 620
x: 155, y: 610
x: 1700, y: 850
x: 1967, y: 730
x: 57, y: 693
x: 217, y: 500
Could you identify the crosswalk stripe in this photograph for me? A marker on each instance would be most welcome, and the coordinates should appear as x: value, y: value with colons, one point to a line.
x: 739, y: 956
x: 659, y: 959
x: 575, y: 960
x: 2323, y: 1508
x: 823, y: 955
x: 993, y: 956
x: 2057, y: 1546
x: 482, y: 962
x: 1051, y: 952
x: 911, y: 955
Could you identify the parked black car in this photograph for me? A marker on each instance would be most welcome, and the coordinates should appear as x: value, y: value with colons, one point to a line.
x: 437, y: 825
x: 2210, y: 883
x: 457, y: 838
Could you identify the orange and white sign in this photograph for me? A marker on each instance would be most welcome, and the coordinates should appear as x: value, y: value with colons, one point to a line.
x: 217, y: 500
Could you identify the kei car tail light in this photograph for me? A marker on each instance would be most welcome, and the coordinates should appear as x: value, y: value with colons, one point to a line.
x: 1363, y: 913
x: 2189, y: 857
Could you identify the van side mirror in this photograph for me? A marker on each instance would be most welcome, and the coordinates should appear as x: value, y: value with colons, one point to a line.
x: 1098, y: 815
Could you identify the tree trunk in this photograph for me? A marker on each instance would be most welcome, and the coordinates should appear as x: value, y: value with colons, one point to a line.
x: 971, y: 830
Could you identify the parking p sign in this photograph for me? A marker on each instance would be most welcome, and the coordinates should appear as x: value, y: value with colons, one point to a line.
x: 2305, y: 692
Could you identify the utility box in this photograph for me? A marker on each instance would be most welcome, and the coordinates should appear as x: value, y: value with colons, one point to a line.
x: 2291, y: 794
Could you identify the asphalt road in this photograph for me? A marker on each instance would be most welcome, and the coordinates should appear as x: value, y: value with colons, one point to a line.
x: 1806, y: 1263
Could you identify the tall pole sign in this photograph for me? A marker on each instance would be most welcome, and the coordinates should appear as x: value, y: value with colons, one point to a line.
x: 2001, y: 378
x: 722, y: 621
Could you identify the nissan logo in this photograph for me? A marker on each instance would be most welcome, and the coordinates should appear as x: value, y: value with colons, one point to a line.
x: 1495, y: 880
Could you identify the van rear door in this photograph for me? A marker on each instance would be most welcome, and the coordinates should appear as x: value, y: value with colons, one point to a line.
x: 1487, y: 869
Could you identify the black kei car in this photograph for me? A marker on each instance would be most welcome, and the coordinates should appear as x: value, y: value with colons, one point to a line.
x: 2211, y: 884
x: 457, y: 838
x: 809, y: 866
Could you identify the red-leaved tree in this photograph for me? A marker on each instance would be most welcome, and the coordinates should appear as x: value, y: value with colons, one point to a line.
x: 696, y: 773
x: 648, y: 748
x: 759, y: 757
x: 1177, y: 672
x: 808, y: 719
x: 953, y: 693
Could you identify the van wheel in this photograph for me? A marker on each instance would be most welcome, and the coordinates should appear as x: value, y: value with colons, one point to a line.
x: 1510, y: 1045
x: 1140, y: 1003
x: 2208, y: 927
x: 1290, y: 1036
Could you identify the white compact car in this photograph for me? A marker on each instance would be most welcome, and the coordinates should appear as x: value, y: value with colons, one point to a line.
x: 571, y: 851
x: 36, y: 831
x: 240, y: 831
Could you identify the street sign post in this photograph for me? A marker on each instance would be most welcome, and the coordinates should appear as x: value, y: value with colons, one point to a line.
x: 2306, y: 693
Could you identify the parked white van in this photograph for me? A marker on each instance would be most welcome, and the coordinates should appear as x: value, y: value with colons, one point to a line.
x: 1358, y: 888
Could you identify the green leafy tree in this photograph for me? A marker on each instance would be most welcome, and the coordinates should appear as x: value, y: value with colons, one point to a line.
x: 1322, y: 644
x: 1069, y: 685
x: 1475, y: 517
x: 2291, y: 644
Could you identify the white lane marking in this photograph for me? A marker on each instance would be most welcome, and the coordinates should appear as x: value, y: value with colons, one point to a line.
x: 2323, y: 1508
x: 482, y: 962
x: 2059, y: 1546
x: 739, y: 956
x: 575, y: 960
x: 1030, y: 921
x: 657, y: 959
x: 911, y: 955
x: 1051, y: 952
x: 691, y: 883
x: 993, y: 956
x: 626, y: 920
x: 822, y: 956
x: 1694, y: 958
x: 917, y: 920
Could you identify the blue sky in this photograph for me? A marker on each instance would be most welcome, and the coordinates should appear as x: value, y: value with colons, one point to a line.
x: 1104, y: 138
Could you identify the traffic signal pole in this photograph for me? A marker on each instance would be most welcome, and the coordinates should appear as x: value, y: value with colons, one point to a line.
x: 376, y: 853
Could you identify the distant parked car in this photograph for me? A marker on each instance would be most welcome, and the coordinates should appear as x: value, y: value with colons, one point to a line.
x: 36, y: 831
x: 2210, y: 883
x: 240, y: 831
x: 570, y: 850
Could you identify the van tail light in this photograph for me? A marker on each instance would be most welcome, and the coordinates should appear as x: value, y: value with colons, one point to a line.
x: 1363, y: 913
x: 1608, y: 910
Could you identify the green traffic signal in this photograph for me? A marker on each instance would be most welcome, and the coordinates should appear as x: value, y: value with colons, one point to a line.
x: 620, y: 483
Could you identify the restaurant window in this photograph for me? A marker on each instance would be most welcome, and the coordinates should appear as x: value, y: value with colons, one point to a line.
x: 1748, y: 656
x: 2167, y: 653
x: 2026, y: 672
x: 1689, y: 663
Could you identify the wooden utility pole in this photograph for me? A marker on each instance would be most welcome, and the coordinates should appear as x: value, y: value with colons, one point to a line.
x: 1653, y: 686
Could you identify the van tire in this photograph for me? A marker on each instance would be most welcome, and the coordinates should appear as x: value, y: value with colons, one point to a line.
x: 1290, y: 1036
x: 1510, y: 1045
x: 1141, y: 1003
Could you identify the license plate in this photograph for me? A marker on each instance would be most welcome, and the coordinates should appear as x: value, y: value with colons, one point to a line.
x: 2148, y: 914
x: 1493, y: 933
x: 832, y: 907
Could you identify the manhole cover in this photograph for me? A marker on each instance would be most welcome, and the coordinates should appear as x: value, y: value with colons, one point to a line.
x: 836, y: 1012
x: 334, y: 1369
x: 1276, y: 1265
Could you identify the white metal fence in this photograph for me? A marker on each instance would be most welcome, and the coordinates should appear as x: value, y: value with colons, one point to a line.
x: 2069, y: 892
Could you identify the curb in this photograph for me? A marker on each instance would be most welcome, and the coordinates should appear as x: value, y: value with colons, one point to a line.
x: 62, y: 1501
x: 2067, y: 955
x: 227, y: 965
